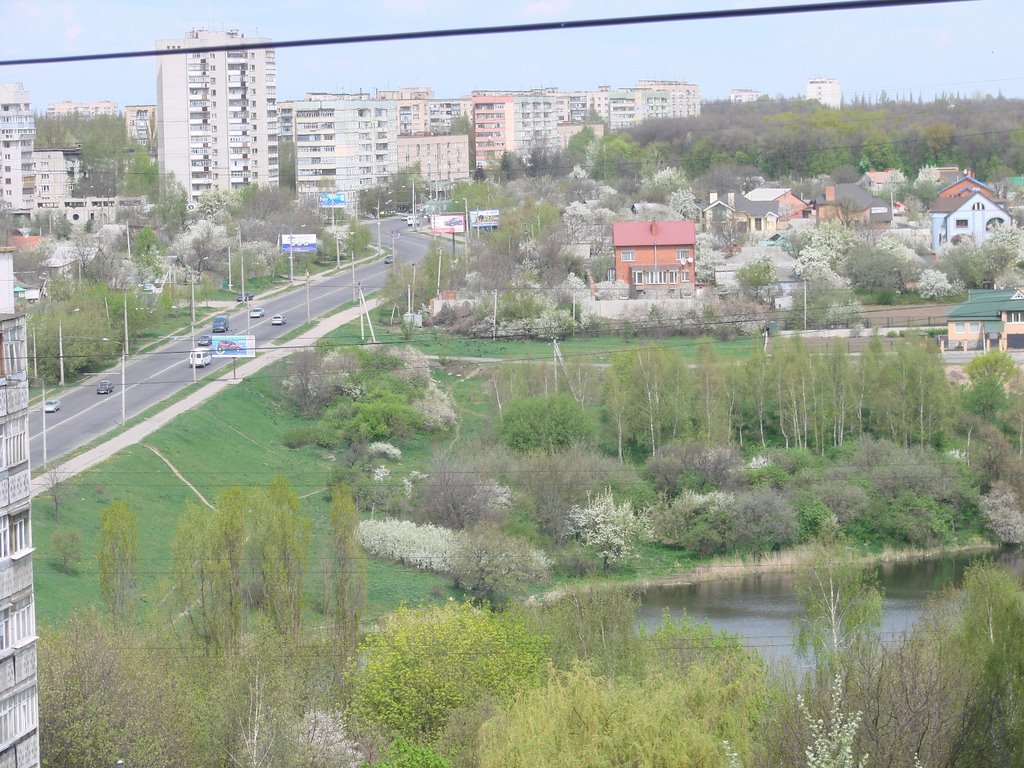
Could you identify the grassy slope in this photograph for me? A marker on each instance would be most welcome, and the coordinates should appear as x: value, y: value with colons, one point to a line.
x: 233, y: 439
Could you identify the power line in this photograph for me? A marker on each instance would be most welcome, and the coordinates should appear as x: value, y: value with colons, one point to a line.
x: 504, y: 29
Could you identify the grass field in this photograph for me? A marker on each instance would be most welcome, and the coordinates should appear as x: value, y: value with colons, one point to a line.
x: 437, y: 342
x: 231, y: 440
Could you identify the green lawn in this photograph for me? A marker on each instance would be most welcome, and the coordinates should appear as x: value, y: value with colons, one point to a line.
x: 234, y: 439
x: 442, y: 344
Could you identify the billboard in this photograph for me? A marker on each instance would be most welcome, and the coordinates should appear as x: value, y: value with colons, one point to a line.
x: 233, y: 346
x: 448, y: 224
x: 298, y: 243
x: 332, y: 199
x: 484, y: 219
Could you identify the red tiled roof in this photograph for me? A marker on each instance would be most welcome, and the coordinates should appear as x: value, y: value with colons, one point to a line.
x: 651, y: 232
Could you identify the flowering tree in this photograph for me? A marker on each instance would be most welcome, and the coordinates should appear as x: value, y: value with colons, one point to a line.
x: 613, y: 530
x: 934, y: 284
x: 707, y: 258
x: 683, y: 204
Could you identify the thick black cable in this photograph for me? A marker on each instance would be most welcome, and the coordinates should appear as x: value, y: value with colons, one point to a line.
x: 502, y: 29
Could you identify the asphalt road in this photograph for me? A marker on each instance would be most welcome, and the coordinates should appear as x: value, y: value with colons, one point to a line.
x: 152, y: 377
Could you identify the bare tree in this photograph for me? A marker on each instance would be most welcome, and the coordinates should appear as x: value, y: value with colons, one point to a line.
x: 58, y: 485
x: 457, y: 495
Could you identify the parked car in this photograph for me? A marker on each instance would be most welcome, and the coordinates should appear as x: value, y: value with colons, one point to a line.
x: 277, y: 320
x: 204, y: 340
x: 247, y: 296
x: 105, y: 387
x: 389, y: 259
x: 148, y: 288
x: 220, y: 324
x: 51, y: 406
x: 257, y: 312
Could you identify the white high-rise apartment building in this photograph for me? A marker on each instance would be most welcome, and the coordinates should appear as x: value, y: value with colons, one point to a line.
x: 826, y: 91
x: 744, y: 95
x: 217, y: 113
x: 344, y: 143
x: 17, y: 135
x: 681, y: 99
x: 83, y: 108
x: 19, y: 703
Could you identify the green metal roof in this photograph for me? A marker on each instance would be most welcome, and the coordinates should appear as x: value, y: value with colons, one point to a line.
x: 993, y: 326
x: 987, y: 305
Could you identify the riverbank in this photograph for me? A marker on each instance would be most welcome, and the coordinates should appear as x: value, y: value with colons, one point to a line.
x: 784, y: 561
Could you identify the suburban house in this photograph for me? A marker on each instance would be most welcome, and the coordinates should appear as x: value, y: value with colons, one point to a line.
x: 747, y: 215
x: 789, y: 205
x: 967, y: 186
x: 655, y: 258
x: 852, y: 204
x: 975, y: 216
x: 879, y: 182
x: 987, y: 320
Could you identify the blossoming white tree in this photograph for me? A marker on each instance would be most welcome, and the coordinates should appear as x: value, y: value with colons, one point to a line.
x: 613, y: 530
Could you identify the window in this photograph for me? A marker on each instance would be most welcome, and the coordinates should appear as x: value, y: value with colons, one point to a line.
x: 1015, y: 317
x: 958, y: 327
x: 961, y: 223
x: 629, y: 255
x: 5, y: 541
x: 21, y: 535
x: 975, y: 327
x: 638, y: 277
x: 682, y: 254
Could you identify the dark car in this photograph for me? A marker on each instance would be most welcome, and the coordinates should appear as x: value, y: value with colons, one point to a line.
x: 204, y: 340
x: 226, y: 345
x: 247, y: 296
x: 105, y: 387
x: 220, y: 324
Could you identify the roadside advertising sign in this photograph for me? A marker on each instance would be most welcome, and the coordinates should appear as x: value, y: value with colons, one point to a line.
x: 484, y: 219
x: 298, y: 243
x: 448, y: 224
x: 233, y: 346
x: 332, y: 199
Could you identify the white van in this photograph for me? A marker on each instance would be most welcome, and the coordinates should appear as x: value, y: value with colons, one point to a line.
x: 200, y: 357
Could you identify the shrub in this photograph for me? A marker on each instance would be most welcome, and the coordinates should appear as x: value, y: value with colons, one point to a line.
x: 1001, y: 509
x: 814, y: 520
x: 703, y: 523
x: 766, y: 477
x: 427, y: 547
x: 548, y: 423
x: 764, y: 520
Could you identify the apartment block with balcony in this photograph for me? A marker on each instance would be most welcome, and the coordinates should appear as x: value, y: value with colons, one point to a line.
x: 217, y: 120
x: 442, y: 159
x: 344, y: 143
x: 140, y: 120
x: 82, y: 108
x: 17, y: 136
x: 19, y: 709
x: 521, y: 122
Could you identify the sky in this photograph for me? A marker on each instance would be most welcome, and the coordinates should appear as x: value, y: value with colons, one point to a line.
x: 968, y: 47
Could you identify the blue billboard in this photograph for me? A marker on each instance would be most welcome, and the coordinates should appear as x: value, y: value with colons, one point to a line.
x: 233, y: 346
x: 333, y: 199
x: 298, y: 243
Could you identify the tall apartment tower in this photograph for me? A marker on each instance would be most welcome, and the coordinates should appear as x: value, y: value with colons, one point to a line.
x: 344, y: 143
x: 17, y: 135
x: 19, y: 708
x: 825, y: 91
x: 217, y: 113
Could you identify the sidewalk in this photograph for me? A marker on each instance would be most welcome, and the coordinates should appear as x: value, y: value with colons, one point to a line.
x: 90, y: 458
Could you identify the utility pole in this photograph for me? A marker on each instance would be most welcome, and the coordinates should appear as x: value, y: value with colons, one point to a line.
x: 494, y: 317
x: 554, y: 355
x: 805, y: 305
x: 245, y: 300
x: 44, y: 422
x: 366, y: 311
x: 229, y: 267
x: 122, y: 386
x: 307, y: 296
x: 60, y: 350
x: 126, y: 323
x: 35, y: 358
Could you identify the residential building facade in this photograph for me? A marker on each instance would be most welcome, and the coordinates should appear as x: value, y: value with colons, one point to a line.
x: 825, y: 91
x: 19, y: 707
x: 567, y: 130
x: 970, y: 218
x: 83, y: 108
x: 987, y: 320
x: 655, y: 258
x: 217, y: 113
x: 744, y: 95
x: 852, y: 204
x: 344, y: 143
x: 141, y: 121
x: 681, y: 99
x: 56, y: 172
x: 513, y: 122
x: 17, y: 137
x: 442, y: 159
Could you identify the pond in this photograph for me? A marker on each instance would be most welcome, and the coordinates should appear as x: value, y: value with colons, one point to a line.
x: 763, y: 610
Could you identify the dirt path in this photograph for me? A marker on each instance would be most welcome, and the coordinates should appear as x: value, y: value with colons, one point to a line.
x: 180, y: 476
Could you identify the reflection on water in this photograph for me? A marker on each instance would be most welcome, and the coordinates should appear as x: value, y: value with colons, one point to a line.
x: 762, y: 608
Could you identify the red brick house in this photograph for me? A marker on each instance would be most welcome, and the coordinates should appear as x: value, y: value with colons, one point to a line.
x: 655, y: 258
x: 966, y: 187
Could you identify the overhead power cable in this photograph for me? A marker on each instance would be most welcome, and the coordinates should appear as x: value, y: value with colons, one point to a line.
x: 502, y: 29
